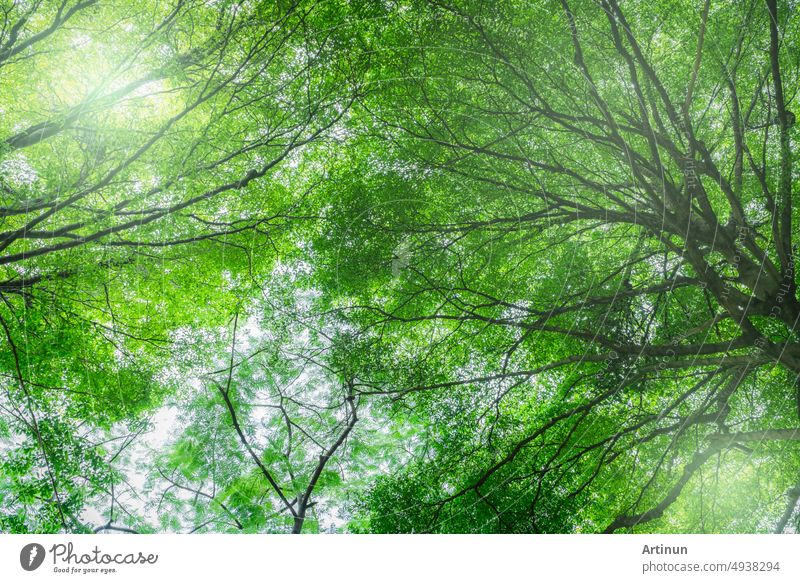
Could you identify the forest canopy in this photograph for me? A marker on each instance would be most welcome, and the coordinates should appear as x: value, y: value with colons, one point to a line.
x: 399, y: 266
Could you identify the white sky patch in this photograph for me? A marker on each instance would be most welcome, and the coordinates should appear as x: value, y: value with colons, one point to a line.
x: 133, y: 464
x: 18, y: 171
x: 80, y: 40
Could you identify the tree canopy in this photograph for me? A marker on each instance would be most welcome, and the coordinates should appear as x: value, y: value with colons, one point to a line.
x: 404, y: 266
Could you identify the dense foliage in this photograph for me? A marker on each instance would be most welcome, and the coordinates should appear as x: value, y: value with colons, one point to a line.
x: 399, y: 266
